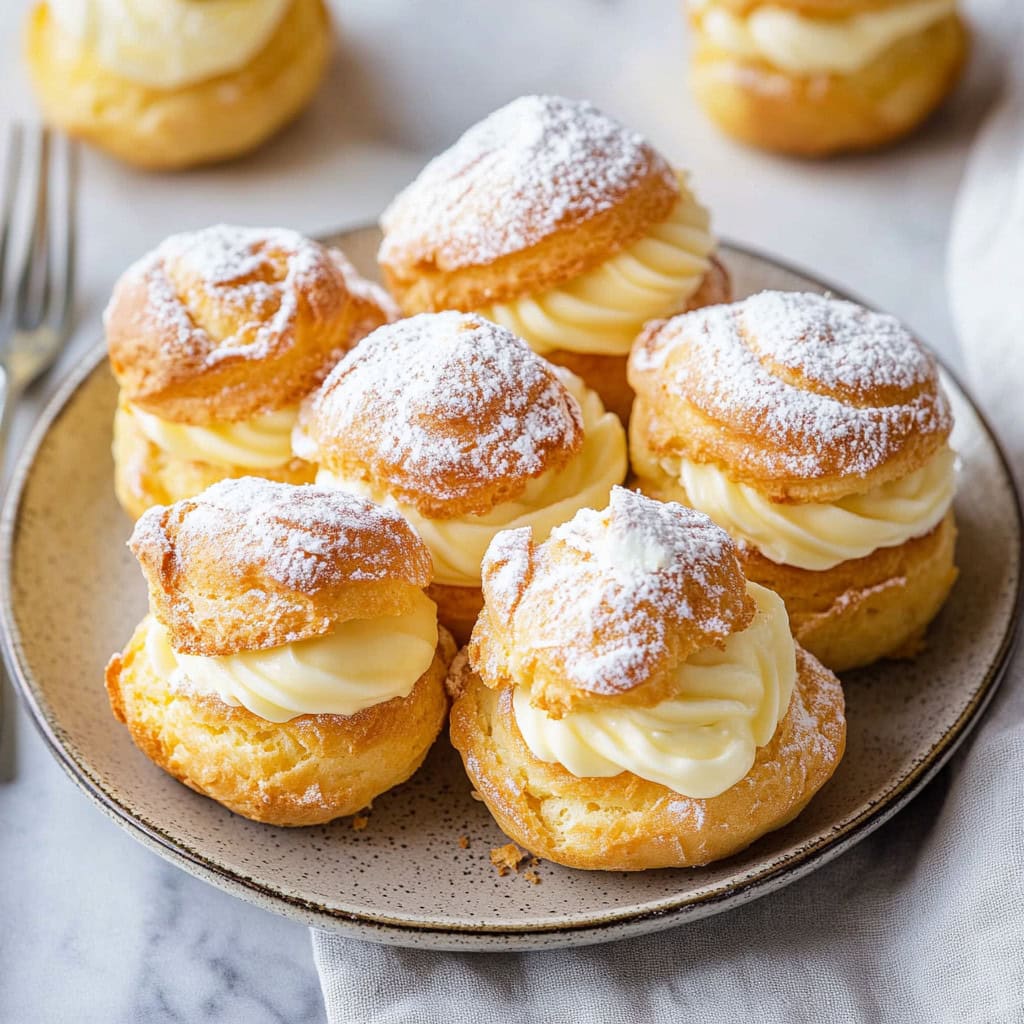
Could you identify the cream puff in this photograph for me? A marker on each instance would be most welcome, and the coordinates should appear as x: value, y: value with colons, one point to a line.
x: 555, y: 221
x: 214, y: 339
x: 815, y: 77
x: 291, y: 666
x: 454, y: 422
x: 172, y: 83
x: 817, y: 433
x: 629, y: 701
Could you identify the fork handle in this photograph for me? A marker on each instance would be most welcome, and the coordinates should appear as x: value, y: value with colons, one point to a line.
x: 8, y: 399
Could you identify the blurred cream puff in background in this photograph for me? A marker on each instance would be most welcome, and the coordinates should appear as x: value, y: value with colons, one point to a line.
x: 168, y: 84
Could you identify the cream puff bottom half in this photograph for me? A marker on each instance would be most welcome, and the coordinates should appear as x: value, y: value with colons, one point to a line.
x: 307, y: 771
x: 625, y: 823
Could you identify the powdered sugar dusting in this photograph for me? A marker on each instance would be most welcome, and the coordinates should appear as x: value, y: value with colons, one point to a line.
x: 613, y: 587
x: 450, y: 401
x: 864, y: 384
x: 252, y: 275
x: 834, y: 343
x: 303, y: 538
x: 514, y: 178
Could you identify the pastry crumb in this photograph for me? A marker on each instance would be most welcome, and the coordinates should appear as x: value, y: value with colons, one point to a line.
x: 506, y: 858
x: 476, y: 796
x: 359, y: 822
x: 464, y: 842
x: 535, y: 862
x: 532, y: 877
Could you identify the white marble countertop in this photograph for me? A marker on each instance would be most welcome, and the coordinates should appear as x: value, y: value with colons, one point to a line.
x: 92, y: 926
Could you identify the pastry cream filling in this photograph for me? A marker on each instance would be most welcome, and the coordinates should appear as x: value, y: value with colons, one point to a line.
x: 362, y: 663
x: 821, y: 535
x: 804, y: 45
x: 264, y: 442
x: 603, y: 310
x: 458, y: 545
x: 704, y: 739
x: 167, y: 44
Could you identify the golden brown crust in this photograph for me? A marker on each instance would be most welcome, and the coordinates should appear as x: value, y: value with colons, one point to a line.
x: 607, y: 374
x: 304, y: 772
x: 626, y: 823
x: 457, y: 608
x: 145, y: 475
x: 198, y: 123
x: 803, y: 397
x: 812, y: 8
x: 446, y: 412
x: 866, y: 608
x: 478, y: 226
x: 251, y: 564
x: 579, y: 623
x: 819, y: 115
x: 222, y: 324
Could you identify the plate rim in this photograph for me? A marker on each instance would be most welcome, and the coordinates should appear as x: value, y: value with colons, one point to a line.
x: 381, y: 928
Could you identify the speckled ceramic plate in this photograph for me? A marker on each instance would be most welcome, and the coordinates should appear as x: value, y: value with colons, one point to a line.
x: 72, y: 594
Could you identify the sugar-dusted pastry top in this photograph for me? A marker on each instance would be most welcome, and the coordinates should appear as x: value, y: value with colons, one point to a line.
x: 801, y: 396
x: 609, y: 606
x: 251, y: 564
x: 538, y: 192
x: 167, y: 44
x: 801, y: 40
x: 227, y: 323
x: 446, y: 412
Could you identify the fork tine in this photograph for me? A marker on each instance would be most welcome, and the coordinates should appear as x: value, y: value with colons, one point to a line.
x: 67, y: 284
x: 12, y: 163
x: 34, y: 282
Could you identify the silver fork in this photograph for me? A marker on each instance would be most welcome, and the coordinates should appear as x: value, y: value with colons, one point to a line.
x: 38, y: 200
x: 36, y: 296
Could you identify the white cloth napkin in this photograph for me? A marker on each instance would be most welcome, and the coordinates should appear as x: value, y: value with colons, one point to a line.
x: 924, y: 921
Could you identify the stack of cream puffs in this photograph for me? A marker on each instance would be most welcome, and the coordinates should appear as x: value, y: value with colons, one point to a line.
x: 328, y: 492
x: 177, y: 82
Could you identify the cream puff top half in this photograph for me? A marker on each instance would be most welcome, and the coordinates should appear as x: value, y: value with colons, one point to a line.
x: 812, y: 428
x: 808, y: 37
x: 633, y: 643
x: 217, y: 334
x: 168, y: 44
x: 284, y: 599
x: 553, y: 220
x: 455, y: 422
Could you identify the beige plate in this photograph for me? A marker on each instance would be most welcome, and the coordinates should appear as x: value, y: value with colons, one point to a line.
x: 72, y: 594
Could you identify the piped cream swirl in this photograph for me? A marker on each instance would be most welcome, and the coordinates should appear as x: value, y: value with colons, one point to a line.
x: 702, y: 741
x: 800, y: 44
x: 363, y: 662
x: 263, y: 442
x: 821, y: 535
x: 604, y: 309
x: 458, y: 545
x: 167, y: 44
